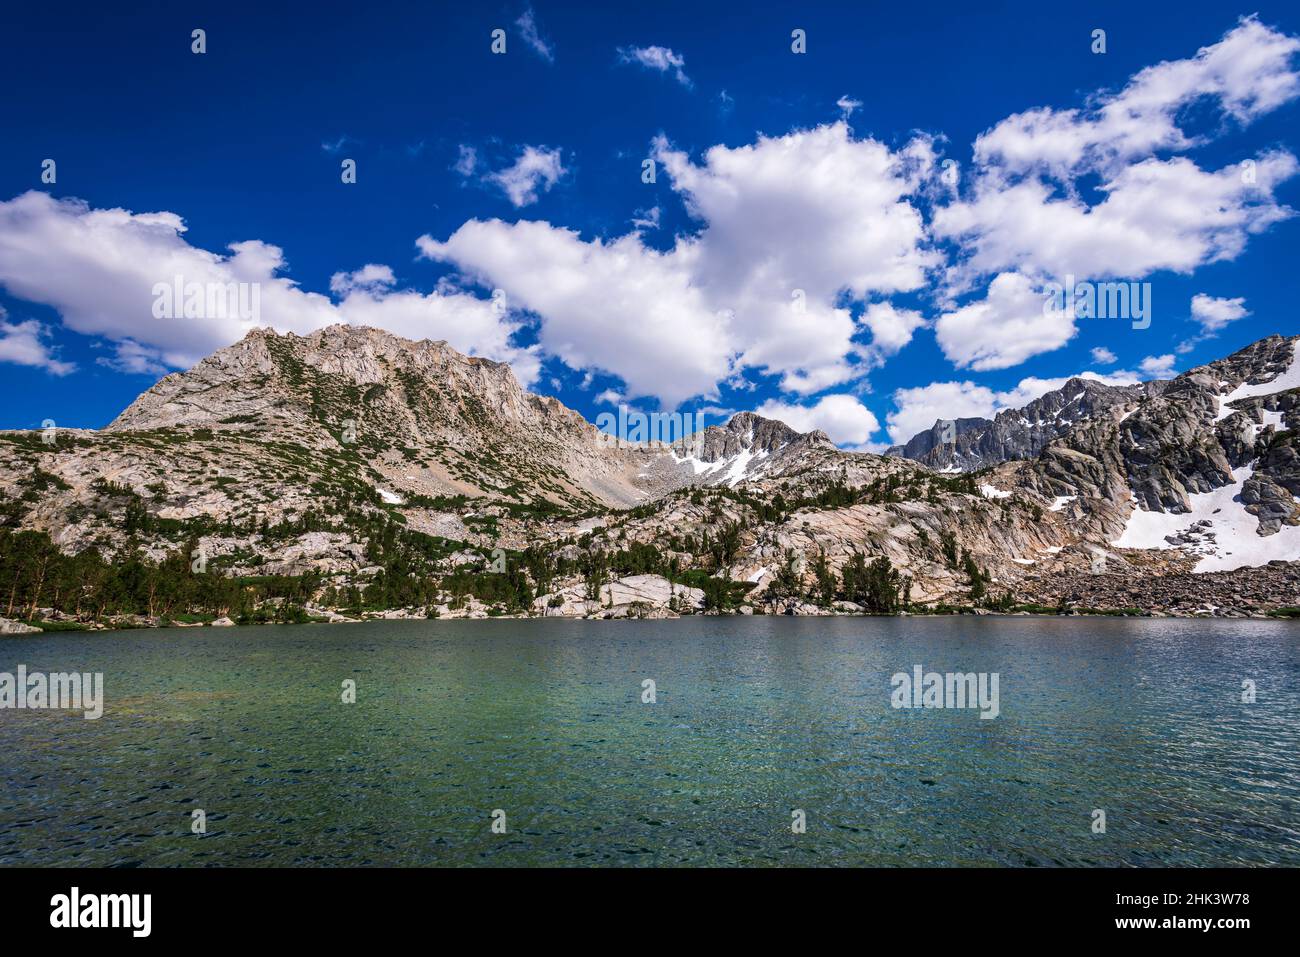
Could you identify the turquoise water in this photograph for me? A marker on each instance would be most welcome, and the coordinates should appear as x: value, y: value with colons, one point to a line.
x: 755, y: 717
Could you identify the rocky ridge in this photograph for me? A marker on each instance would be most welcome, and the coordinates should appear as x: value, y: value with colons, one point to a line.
x: 964, y: 445
x: 320, y: 455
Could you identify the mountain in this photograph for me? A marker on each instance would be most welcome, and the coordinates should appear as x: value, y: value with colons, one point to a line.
x: 351, y: 472
x: 1208, y: 465
x: 431, y: 422
x: 963, y: 445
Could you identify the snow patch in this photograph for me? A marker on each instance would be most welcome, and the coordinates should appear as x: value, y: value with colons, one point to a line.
x: 736, y: 466
x: 1290, y: 379
x: 988, y: 491
x: 1060, y: 502
x: 1235, y: 543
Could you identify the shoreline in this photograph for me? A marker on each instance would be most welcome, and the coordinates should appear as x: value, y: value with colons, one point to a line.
x: 32, y: 628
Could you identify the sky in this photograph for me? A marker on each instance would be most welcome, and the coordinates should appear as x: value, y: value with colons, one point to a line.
x: 844, y: 215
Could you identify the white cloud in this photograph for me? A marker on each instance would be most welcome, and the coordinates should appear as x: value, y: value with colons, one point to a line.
x: 795, y: 222
x: 1158, y: 367
x: 1156, y: 215
x: 657, y: 58
x: 1008, y: 326
x: 1247, y: 73
x: 1103, y: 356
x: 646, y: 218
x: 371, y: 277
x: 98, y: 269
x: 527, y: 24
x: 618, y: 306
x: 793, y: 234
x: 132, y: 358
x: 761, y: 285
x: 466, y: 160
x: 891, y: 330
x: 23, y: 343
x: 917, y: 409
x: 1025, y: 211
x: 536, y: 168
x: 846, y: 420
x: 1214, y: 313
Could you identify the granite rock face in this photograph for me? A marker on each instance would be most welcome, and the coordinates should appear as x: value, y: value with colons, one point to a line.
x: 288, y: 450
x: 963, y: 445
x: 10, y: 627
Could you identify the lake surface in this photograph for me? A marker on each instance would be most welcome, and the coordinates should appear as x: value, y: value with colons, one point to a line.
x: 754, y: 718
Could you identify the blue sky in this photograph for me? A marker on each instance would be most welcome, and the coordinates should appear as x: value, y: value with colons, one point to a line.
x: 780, y: 177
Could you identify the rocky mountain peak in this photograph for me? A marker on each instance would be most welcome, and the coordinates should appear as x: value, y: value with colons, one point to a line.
x: 963, y: 445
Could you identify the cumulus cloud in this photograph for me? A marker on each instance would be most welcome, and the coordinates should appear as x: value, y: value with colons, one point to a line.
x: 792, y: 236
x: 1157, y: 214
x: 99, y: 268
x: 1009, y: 325
x: 891, y: 330
x: 846, y: 420
x: 371, y: 277
x: 917, y: 409
x: 657, y: 58
x: 1103, y: 356
x: 790, y: 226
x: 1249, y: 72
x: 1158, y: 367
x: 618, y: 306
x: 528, y: 29
x: 536, y: 168
x: 25, y: 344
x: 1213, y: 313
x: 1024, y: 210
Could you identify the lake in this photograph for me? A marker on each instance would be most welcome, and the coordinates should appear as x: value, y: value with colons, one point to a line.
x: 754, y: 719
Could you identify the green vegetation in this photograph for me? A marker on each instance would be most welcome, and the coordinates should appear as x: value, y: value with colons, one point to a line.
x: 877, y: 586
x: 35, y: 574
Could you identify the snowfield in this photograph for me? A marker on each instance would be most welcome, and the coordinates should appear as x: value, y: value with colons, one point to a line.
x: 1236, y: 541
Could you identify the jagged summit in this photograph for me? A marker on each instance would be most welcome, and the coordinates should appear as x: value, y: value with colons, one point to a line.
x: 975, y: 443
x: 962, y: 445
x: 432, y: 421
x: 750, y: 447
